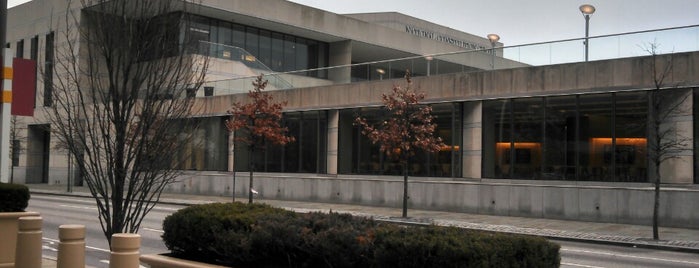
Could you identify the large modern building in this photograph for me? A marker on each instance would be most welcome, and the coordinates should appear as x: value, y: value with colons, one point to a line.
x: 566, y: 139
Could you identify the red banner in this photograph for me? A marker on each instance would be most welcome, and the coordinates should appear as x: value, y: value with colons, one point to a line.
x: 23, y: 86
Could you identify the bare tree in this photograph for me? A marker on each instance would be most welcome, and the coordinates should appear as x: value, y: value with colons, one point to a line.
x: 665, y: 141
x: 15, y: 145
x: 409, y: 126
x: 259, y: 124
x: 121, y: 101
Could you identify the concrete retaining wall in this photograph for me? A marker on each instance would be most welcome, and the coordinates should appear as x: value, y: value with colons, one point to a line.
x: 539, y: 199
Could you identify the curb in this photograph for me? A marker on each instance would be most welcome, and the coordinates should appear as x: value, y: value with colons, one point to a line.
x: 423, y: 222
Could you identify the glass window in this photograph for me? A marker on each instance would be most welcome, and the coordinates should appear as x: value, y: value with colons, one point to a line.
x: 292, y: 153
x: 225, y: 38
x: 289, y: 53
x: 595, y: 137
x: 277, y: 52
x: 359, y: 155
x: 251, y: 41
x: 208, y: 148
x: 20, y: 49
x: 239, y: 36
x: 265, y: 54
x: 48, y: 70
x: 559, y: 148
x: 322, y: 59
x: 497, y: 146
x: 198, y: 32
x: 526, y: 160
x: 301, y: 54
x: 34, y: 48
x: 631, y: 115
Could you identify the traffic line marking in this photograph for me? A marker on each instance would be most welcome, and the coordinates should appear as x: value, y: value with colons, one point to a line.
x: 629, y: 256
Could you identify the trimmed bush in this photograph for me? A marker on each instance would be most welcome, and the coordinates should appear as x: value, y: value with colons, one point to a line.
x: 13, y: 197
x: 257, y: 235
x: 438, y: 246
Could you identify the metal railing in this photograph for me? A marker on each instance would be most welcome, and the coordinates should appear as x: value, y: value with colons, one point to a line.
x: 233, y: 53
x: 624, y: 45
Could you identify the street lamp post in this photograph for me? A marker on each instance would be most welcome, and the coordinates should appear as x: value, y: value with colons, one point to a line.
x: 587, y: 10
x: 494, y: 38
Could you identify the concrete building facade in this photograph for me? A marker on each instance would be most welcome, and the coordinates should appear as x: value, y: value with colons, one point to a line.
x: 564, y: 141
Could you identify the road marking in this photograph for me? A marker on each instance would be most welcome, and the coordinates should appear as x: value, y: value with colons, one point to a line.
x: 629, y: 256
x: 154, y: 230
x: 79, y: 207
x: 88, y: 247
x: 49, y: 248
x: 92, y: 202
x: 580, y: 265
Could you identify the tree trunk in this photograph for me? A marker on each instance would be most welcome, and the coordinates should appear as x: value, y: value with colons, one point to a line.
x: 656, y: 205
x: 251, y: 166
x: 405, y: 190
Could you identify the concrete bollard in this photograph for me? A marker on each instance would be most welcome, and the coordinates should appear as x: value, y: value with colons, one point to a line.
x: 8, y: 236
x: 71, y: 248
x: 125, y: 251
x: 28, y: 254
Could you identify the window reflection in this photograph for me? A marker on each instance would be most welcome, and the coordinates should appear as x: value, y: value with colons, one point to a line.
x: 599, y: 137
x: 358, y: 155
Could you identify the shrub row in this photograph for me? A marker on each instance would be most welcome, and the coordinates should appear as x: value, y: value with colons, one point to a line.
x: 13, y: 197
x: 258, y: 235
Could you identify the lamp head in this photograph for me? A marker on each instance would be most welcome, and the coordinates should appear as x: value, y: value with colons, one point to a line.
x: 587, y: 9
x: 494, y: 38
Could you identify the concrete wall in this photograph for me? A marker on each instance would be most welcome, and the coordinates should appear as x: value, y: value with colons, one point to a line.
x: 555, y: 200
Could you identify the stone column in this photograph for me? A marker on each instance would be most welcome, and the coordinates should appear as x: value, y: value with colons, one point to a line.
x: 333, y: 132
x: 473, y: 140
x: 680, y: 167
x: 340, y: 54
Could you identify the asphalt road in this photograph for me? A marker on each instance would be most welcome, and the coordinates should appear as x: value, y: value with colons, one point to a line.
x: 58, y: 210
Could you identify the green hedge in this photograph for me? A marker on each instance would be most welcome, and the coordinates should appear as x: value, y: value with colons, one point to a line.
x: 257, y: 235
x: 13, y: 197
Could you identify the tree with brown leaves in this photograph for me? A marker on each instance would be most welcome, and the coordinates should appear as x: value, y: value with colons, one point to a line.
x: 408, y: 126
x: 259, y: 122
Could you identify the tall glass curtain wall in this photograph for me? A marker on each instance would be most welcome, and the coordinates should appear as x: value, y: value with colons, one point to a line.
x: 594, y: 137
x: 305, y: 155
x: 357, y: 154
x: 280, y: 52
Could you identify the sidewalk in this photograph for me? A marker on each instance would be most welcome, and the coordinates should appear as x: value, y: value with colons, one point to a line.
x: 678, y: 239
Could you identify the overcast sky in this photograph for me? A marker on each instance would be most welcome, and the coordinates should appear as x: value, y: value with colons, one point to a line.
x: 526, y: 21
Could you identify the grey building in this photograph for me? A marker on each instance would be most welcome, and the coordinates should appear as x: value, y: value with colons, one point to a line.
x: 562, y: 139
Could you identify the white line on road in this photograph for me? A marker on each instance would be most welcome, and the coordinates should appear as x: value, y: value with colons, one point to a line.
x: 88, y: 247
x: 90, y: 201
x: 630, y: 256
x: 154, y: 230
x: 79, y: 207
x: 580, y: 265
